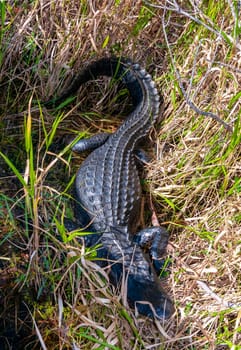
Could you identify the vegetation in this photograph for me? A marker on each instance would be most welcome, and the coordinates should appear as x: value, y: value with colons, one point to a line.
x: 52, y: 294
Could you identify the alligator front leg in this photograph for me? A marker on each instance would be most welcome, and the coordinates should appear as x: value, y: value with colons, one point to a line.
x: 154, y: 239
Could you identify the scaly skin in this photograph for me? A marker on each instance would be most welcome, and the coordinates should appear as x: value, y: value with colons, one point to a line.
x: 108, y: 190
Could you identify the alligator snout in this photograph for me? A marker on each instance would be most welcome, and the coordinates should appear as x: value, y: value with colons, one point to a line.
x: 149, y: 298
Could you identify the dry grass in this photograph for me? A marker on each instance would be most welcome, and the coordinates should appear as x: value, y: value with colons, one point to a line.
x: 193, y: 53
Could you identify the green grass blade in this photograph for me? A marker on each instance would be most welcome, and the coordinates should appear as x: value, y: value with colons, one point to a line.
x: 15, y: 170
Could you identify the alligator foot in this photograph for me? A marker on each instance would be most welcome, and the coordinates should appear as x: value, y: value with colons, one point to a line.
x: 154, y: 240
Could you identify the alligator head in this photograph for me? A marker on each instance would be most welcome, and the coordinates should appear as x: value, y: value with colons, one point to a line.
x: 143, y: 286
x: 149, y: 298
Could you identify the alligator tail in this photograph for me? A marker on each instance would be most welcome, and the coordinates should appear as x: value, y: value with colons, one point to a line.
x: 119, y: 68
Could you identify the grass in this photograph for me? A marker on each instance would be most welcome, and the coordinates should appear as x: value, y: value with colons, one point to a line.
x: 47, y: 278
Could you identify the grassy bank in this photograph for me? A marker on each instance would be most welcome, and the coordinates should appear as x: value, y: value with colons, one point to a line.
x: 51, y: 291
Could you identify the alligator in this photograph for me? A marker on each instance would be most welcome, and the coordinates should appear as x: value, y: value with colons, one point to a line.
x: 108, y: 190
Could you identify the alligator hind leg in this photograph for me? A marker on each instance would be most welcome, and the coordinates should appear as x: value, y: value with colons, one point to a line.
x: 91, y: 143
x: 155, y: 240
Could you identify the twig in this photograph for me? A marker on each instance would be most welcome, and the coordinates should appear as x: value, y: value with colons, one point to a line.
x: 208, y: 291
x: 42, y: 343
x: 187, y: 99
x: 175, y: 7
x: 236, y: 70
x: 196, y: 109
